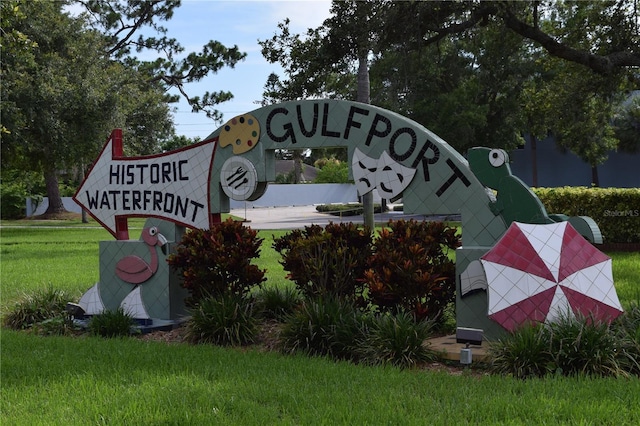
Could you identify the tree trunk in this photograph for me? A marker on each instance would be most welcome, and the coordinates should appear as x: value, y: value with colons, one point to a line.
x: 53, y: 192
x: 83, y: 172
x: 363, y: 79
x: 363, y: 96
x: 595, y: 179
x: 297, y: 166
x: 534, y: 160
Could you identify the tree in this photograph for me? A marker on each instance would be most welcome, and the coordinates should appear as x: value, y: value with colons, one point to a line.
x: 627, y: 124
x: 123, y: 22
x: 352, y: 36
x: 455, y: 90
x: 68, y: 80
x: 310, y: 69
x: 572, y: 63
x: 612, y: 26
x: 176, y: 142
x: 274, y: 93
x: 578, y: 108
x: 576, y: 104
x: 323, y: 63
x: 59, y: 94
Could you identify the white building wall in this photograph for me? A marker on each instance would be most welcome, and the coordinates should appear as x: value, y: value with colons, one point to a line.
x: 277, y: 195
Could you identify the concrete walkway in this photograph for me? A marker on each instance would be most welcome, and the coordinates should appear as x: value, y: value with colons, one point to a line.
x: 449, y: 349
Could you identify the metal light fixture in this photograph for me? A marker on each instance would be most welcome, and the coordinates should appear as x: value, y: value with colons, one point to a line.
x: 468, y: 336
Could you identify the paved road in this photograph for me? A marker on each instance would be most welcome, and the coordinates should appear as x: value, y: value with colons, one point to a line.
x: 301, y: 216
x: 293, y: 217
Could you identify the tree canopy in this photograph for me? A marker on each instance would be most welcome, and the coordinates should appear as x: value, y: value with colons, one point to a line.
x: 600, y: 35
x: 483, y: 72
x: 122, y: 23
x: 69, y: 79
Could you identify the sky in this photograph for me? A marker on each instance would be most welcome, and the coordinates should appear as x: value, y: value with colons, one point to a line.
x: 240, y: 23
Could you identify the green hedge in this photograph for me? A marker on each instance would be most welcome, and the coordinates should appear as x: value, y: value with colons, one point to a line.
x: 352, y: 209
x: 615, y: 210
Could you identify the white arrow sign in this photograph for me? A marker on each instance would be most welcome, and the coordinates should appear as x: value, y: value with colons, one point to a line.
x: 172, y: 186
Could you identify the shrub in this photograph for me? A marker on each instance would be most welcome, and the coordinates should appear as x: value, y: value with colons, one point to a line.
x: 33, y: 309
x: 446, y: 322
x: 110, y: 323
x: 410, y: 268
x: 218, y: 261
x: 329, y: 261
x: 627, y: 328
x: 224, y: 319
x: 16, y: 185
x: 523, y: 353
x: 333, y: 327
x: 581, y: 345
x: 396, y: 339
x: 569, y: 346
x: 277, y: 303
x: 324, y: 326
x: 629, y: 322
x: 13, y: 197
x: 59, y: 326
x: 333, y: 172
x: 289, y: 177
x: 615, y: 210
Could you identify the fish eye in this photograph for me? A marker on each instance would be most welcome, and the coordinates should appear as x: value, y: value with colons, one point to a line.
x: 497, y: 157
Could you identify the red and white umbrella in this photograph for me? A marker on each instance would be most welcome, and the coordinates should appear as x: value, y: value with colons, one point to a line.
x: 536, y: 273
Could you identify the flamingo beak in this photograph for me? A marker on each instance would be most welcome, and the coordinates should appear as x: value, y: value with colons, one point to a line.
x: 162, y: 242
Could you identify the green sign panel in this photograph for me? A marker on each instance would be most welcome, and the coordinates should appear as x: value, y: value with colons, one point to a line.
x: 387, y: 151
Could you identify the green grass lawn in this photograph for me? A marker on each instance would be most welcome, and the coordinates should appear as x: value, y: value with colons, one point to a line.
x: 626, y: 276
x: 71, y: 381
x: 87, y: 380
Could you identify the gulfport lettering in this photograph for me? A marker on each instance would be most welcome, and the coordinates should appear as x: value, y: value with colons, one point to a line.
x: 148, y: 201
x: 284, y: 126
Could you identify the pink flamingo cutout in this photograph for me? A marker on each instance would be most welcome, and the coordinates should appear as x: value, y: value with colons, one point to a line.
x: 135, y: 270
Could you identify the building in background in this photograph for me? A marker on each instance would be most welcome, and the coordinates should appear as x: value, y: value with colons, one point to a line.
x: 544, y: 165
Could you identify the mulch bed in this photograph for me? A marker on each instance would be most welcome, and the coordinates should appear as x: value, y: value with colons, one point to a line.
x: 267, y: 341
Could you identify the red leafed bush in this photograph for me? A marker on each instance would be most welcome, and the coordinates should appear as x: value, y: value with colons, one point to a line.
x: 217, y: 261
x: 410, y: 268
x: 326, y: 261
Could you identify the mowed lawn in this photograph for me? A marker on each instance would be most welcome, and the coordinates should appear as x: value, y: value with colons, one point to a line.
x: 87, y: 380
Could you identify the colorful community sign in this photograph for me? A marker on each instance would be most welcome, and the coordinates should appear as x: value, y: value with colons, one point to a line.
x: 191, y: 187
